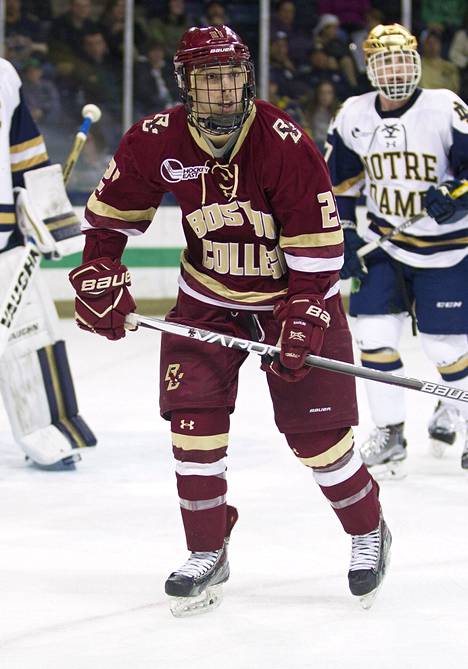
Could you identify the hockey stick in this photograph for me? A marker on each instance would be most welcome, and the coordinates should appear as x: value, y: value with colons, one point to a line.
x: 248, y: 346
x: 31, y: 257
x: 91, y: 114
x: 371, y: 246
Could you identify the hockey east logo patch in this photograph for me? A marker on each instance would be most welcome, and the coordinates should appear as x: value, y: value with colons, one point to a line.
x: 173, y: 171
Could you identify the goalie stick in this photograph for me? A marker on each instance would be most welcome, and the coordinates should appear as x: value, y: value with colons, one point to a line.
x: 134, y: 320
x: 31, y: 256
x: 376, y: 243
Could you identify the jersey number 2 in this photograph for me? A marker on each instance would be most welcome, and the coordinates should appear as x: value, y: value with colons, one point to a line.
x: 328, y: 209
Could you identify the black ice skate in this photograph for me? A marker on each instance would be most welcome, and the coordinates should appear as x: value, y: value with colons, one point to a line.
x: 197, y: 586
x: 443, y: 428
x: 384, y: 451
x: 370, y: 557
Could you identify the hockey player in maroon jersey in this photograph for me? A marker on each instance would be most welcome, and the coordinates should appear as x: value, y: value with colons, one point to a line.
x: 264, y: 248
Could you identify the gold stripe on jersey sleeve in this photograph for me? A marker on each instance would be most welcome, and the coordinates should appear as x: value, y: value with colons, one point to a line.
x: 345, y: 185
x: 216, y: 287
x: 129, y: 215
x: 210, y: 443
x: 30, y: 162
x: 457, y: 366
x: 7, y: 218
x: 312, y: 240
x: 333, y: 454
x: 23, y: 146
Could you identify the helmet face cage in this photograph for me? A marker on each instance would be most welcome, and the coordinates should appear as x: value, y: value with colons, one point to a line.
x: 218, y: 95
x: 395, y: 73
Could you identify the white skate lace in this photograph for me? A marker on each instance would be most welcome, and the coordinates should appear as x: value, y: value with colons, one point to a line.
x: 198, y: 564
x: 365, y: 550
x: 376, y: 442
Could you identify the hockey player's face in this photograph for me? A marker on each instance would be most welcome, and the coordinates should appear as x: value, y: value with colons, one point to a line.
x: 218, y: 90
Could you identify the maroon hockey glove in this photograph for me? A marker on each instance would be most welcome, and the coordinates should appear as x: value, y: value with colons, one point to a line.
x: 304, y: 321
x: 102, y: 297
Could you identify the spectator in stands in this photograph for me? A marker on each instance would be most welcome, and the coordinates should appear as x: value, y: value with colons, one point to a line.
x: 41, y: 95
x: 169, y: 28
x: 351, y: 13
x: 437, y: 72
x: 284, y: 21
x: 319, y: 109
x: 282, y: 69
x: 24, y: 34
x: 292, y: 107
x: 155, y: 86
x: 373, y: 17
x: 458, y: 54
x: 66, y: 35
x: 112, y: 22
x: 215, y: 15
x: 322, y: 67
x: 326, y: 36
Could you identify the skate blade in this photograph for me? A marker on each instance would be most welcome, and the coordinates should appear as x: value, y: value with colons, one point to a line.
x: 389, y: 471
x: 366, y: 601
x: 438, y: 447
x: 210, y: 599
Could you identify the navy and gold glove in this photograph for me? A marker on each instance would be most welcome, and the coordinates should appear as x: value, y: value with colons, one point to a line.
x: 353, y: 266
x: 448, y: 203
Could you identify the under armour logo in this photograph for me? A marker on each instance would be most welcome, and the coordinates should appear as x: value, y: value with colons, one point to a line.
x: 187, y: 423
x: 299, y: 336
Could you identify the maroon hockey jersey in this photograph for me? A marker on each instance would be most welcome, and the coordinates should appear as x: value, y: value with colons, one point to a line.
x: 260, y: 224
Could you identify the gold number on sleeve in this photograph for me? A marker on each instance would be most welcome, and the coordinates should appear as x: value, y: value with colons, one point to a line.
x: 328, y: 209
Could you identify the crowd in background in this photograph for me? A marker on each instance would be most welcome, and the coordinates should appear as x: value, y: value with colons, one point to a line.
x: 71, y: 53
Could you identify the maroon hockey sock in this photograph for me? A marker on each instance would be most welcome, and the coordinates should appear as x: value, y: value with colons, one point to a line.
x: 199, y: 438
x: 341, y: 475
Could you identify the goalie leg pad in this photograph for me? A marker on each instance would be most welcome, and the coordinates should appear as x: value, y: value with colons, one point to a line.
x: 37, y: 387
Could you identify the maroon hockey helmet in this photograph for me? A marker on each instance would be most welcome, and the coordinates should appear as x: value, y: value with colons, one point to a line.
x: 215, y: 77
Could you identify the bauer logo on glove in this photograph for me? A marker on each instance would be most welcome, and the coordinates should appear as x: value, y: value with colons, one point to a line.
x: 102, y: 297
x: 97, y: 286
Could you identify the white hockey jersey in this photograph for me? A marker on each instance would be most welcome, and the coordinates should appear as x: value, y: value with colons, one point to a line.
x: 22, y: 146
x: 393, y: 158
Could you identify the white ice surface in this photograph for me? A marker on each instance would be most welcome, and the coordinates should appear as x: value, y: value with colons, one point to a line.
x: 84, y: 555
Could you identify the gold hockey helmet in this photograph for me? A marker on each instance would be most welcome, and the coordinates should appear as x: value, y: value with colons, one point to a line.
x: 393, y: 63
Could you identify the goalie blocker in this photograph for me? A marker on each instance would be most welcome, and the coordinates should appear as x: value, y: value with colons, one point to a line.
x: 35, y: 380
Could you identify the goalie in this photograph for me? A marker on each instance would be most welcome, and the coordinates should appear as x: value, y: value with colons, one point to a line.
x: 35, y: 380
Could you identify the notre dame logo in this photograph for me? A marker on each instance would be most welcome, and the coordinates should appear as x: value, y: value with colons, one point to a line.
x: 461, y: 110
x: 286, y: 129
x: 173, y: 376
x: 156, y: 124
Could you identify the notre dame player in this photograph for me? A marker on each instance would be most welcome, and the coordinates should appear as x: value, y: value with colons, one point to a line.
x: 405, y: 148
